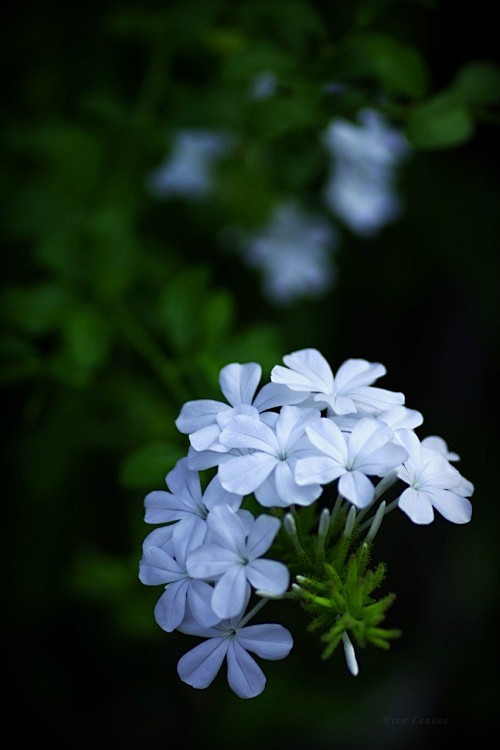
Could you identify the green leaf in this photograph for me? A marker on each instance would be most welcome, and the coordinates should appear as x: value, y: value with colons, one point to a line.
x: 37, y: 309
x: 180, y: 307
x: 399, y: 68
x: 87, y: 337
x: 147, y: 466
x: 440, y: 122
x: 478, y: 82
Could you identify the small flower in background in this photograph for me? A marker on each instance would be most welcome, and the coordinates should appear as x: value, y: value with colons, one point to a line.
x: 295, y: 254
x: 365, y: 157
x: 263, y: 85
x: 188, y: 172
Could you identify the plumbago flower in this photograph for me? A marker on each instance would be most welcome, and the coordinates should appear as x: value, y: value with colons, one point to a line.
x: 305, y: 436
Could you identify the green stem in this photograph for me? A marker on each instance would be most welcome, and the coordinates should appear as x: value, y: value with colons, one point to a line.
x: 253, y: 612
x: 368, y: 523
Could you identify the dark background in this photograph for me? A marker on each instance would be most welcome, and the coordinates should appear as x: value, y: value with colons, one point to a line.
x: 86, y: 664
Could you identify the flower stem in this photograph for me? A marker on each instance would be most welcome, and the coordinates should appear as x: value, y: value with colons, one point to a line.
x: 388, y: 509
x: 253, y: 612
x: 336, y: 509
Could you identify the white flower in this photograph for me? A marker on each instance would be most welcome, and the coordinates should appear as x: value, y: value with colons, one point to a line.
x: 348, y: 392
x: 164, y: 562
x: 268, y: 469
x: 204, y: 419
x: 294, y: 252
x: 232, y: 640
x: 186, y: 500
x: 435, y: 443
x: 399, y: 418
x: 188, y: 171
x: 433, y: 483
x: 232, y: 558
x: 361, y: 187
x: 367, y: 451
x: 263, y: 85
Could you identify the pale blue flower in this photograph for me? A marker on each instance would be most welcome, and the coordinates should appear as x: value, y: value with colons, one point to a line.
x: 350, y: 457
x: 365, y: 158
x: 232, y: 558
x: 164, y: 562
x: 294, y: 252
x: 433, y: 484
x: 186, y: 499
x: 348, y: 392
x: 203, y: 420
x: 274, y: 444
x: 189, y: 170
x: 231, y: 640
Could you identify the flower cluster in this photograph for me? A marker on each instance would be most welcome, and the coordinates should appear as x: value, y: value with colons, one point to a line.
x: 286, y: 444
x: 365, y: 158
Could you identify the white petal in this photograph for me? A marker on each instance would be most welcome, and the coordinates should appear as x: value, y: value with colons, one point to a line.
x: 291, y: 424
x: 199, y: 598
x: 262, y: 535
x: 417, y: 506
x: 215, y: 494
x: 208, y: 459
x: 376, y: 400
x: 317, y: 470
x: 356, y: 488
x: 161, y: 538
x: 163, y: 507
x: 356, y: 372
x: 200, y: 666
x: 308, y: 371
x: 267, y: 494
x: 367, y: 436
x: 436, y: 443
x: 227, y: 529
x: 340, y: 405
x: 326, y: 436
x: 268, y: 575
x: 249, y: 433
x: 453, y: 507
x: 185, y: 482
x: 244, y: 474
x: 267, y: 641
x: 230, y: 592
x: 197, y: 414
x: 187, y: 536
x: 244, y: 675
x: 288, y: 488
x: 274, y: 394
x: 204, y: 439
x: 171, y: 606
x: 401, y: 418
x: 238, y: 382
x: 211, y: 561
x: 156, y: 567
x: 381, y: 461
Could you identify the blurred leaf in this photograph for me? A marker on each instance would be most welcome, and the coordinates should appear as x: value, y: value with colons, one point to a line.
x: 18, y: 360
x: 440, y: 122
x: 399, y: 67
x: 86, y: 336
x: 146, y: 467
x: 110, y: 257
x: 255, y: 58
x: 478, y: 82
x: 218, y: 317
x: 36, y: 309
x: 180, y: 307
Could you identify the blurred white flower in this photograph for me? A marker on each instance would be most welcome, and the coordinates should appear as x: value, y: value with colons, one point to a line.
x: 294, y: 252
x: 365, y: 158
x: 188, y: 172
x: 263, y: 85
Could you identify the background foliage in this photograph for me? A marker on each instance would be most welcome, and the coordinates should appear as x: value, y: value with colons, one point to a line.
x: 117, y: 307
